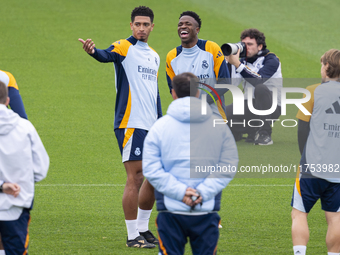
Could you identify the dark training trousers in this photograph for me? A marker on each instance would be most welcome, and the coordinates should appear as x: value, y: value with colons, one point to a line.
x: 14, y: 234
x: 174, y: 229
x: 263, y: 101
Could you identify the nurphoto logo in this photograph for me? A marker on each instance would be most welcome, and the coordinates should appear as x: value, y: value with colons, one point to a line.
x: 239, y: 98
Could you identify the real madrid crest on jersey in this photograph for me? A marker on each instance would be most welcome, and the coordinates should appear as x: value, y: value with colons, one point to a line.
x: 137, y: 151
x: 258, y: 66
x: 205, y: 64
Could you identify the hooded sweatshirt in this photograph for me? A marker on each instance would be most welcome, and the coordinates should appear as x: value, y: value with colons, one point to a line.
x: 179, y: 150
x: 23, y: 160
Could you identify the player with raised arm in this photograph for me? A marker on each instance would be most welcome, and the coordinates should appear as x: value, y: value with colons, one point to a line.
x: 137, y: 108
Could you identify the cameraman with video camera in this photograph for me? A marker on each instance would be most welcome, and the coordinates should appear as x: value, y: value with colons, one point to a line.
x: 259, y: 70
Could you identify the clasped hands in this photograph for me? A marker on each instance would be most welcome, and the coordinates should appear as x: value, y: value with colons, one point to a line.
x: 189, y: 194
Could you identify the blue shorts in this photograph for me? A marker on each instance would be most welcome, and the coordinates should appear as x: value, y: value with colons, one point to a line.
x: 14, y: 234
x: 308, y: 189
x: 174, y: 229
x: 130, y: 141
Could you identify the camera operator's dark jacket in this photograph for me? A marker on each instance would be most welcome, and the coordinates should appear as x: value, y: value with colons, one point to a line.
x: 264, y: 68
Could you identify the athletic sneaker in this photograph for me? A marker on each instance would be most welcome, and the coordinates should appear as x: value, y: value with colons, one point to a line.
x: 149, y: 237
x: 250, y: 138
x: 139, y: 242
x: 263, y: 139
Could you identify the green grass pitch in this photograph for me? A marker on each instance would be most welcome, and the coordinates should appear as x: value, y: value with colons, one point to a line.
x: 69, y: 97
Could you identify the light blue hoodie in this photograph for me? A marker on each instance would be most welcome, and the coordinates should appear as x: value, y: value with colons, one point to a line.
x: 178, y: 146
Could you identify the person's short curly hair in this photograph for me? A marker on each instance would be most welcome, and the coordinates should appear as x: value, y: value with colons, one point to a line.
x: 194, y: 15
x: 142, y: 11
x: 253, y: 33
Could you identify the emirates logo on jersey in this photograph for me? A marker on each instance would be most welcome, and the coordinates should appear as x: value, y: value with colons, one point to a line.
x: 205, y: 64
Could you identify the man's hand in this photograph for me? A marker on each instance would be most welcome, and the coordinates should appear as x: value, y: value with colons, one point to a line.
x: 198, y: 200
x: 234, y: 59
x: 88, y: 45
x: 187, y: 197
x: 11, y: 189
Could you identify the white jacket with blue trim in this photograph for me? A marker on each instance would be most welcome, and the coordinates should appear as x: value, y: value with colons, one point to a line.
x: 179, y: 149
x: 23, y: 160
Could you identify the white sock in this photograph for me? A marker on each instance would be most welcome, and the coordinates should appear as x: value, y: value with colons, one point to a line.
x: 2, y: 252
x: 299, y: 250
x: 143, y: 219
x: 132, y: 230
x: 333, y: 253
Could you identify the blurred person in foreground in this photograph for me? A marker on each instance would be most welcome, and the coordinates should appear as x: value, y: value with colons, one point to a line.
x: 23, y: 161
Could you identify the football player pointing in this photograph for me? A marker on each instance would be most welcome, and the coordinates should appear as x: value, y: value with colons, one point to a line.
x: 137, y: 108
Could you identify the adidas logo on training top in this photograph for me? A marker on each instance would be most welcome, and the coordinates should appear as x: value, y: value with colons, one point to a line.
x: 298, y: 252
x: 336, y: 107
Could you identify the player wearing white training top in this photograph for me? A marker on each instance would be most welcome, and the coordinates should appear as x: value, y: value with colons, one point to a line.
x: 203, y: 58
x: 137, y: 108
x: 15, y: 101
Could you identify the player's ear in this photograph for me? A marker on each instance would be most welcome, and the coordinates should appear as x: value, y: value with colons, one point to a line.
x: 174, y: 95
x: 7, y: 101
x: 131, y: 25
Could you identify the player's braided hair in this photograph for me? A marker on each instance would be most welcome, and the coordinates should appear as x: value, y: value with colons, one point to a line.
x: 142, y: 11
x: 253, y: 33
x: 194, y: 15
